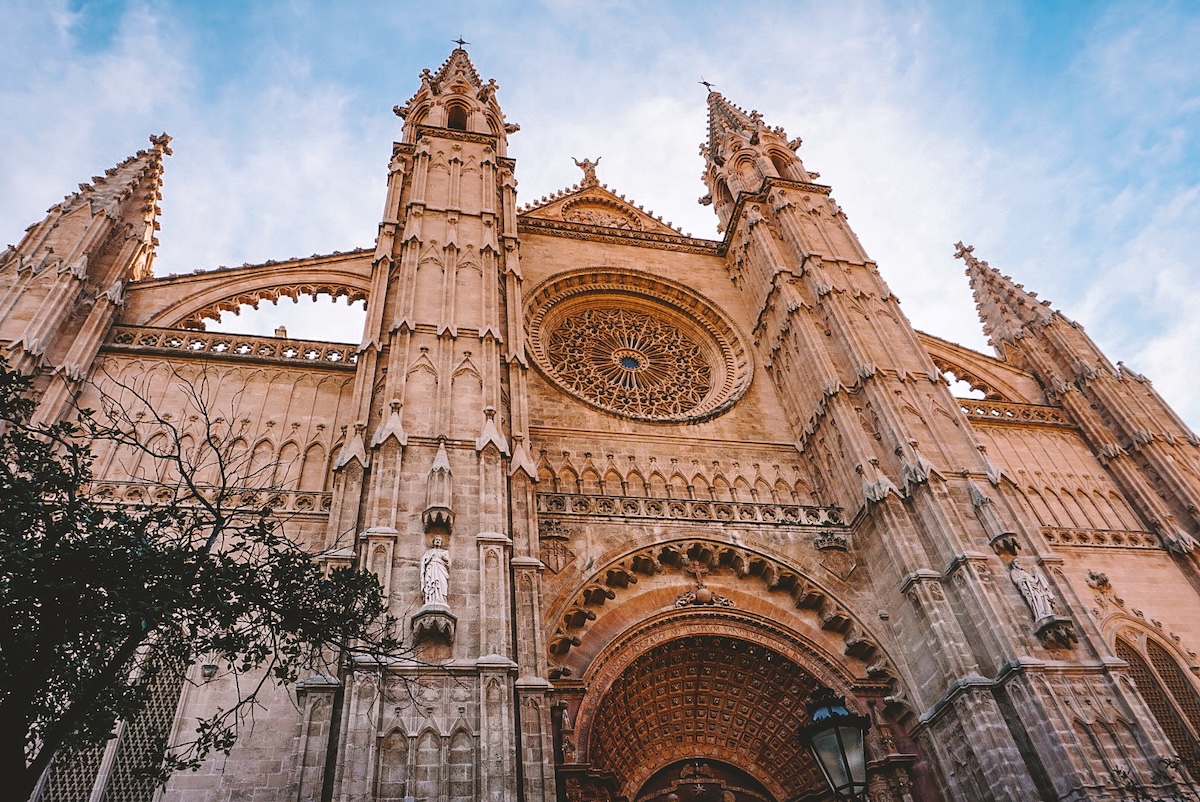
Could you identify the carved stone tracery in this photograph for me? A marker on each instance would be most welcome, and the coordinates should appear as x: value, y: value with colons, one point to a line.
x: 629, y: 362
x: 639, y: 347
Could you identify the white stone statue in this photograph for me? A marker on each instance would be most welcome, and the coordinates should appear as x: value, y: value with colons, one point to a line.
x: 435, y: 573
x: 1034, y: 588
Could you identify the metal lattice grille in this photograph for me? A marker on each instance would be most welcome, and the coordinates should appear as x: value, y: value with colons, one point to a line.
x: 144, y: 739
x: 1187, y: 700
x: 72, y: 775
x: 1168, y: 714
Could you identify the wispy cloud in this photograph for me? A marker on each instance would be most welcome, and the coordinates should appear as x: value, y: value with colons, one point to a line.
x: 1062, y: 143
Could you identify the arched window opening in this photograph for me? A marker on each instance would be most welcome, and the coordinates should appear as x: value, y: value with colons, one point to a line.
x: 748, y: 174
x: 1171, y: 697
x: 781, y: 163
x: 456, y: 118
x: 724, y: 198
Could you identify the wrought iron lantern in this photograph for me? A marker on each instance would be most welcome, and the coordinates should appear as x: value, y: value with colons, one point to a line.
x: 836, y: 737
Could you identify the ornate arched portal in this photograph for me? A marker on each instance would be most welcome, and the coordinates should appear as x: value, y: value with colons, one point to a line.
x: 708, y: 701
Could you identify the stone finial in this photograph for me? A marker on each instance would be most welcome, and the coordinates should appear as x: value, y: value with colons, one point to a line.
x: 353, y: 449
x: 392, y: 427
x: 490, y: 433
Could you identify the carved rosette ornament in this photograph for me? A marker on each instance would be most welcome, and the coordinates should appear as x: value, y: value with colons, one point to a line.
x: 637, y: 347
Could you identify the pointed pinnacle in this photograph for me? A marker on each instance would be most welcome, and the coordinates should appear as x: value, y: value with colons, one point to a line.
x: 1005, y: 307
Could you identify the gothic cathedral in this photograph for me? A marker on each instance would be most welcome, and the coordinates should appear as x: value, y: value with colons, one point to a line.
x: 638, y: 496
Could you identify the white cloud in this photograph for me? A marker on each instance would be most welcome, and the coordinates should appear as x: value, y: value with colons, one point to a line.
x: 929, y: 121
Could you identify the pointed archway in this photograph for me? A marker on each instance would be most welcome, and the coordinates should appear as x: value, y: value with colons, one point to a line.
x: 706, y: 699
x: 719, y: 692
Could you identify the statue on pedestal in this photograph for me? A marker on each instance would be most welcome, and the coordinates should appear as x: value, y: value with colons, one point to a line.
x: 435, y: 574
x: 1034, y: 588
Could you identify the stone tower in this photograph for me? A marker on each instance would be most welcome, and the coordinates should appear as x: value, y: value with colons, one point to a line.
x: 636, y: 496
x: 436, y: 392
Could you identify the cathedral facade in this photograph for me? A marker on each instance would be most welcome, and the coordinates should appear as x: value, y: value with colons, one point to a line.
x: 638, y: 496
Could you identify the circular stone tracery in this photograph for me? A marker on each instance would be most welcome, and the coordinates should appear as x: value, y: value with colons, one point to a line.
x: 637, y: 347
x: 630, y: 362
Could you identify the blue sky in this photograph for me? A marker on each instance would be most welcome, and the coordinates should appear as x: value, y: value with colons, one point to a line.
x: 1059, y: 138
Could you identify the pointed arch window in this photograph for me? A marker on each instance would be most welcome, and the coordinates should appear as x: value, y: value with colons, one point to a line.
x: 781, y: 164
x: 724, y: 197
x: 456, y: 117
x: 1171, y: 696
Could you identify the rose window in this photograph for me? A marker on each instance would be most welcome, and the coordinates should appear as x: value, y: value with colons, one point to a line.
x: 629, y: 362
x: 634, y: 352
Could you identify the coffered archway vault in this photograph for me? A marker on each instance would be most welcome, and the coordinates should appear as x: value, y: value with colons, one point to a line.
x: 703, y: 692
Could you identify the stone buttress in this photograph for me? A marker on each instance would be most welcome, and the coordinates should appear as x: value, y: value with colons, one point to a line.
x: 439, y: 444
x: 873, y: 416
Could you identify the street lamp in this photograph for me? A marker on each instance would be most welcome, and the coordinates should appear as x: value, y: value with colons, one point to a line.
x: 835, y: 736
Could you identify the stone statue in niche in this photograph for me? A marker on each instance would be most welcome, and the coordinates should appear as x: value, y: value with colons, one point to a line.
x: 435, y: 574
x: 1034, y: 588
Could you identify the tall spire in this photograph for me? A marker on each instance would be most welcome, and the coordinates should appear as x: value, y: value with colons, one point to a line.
x: 742, y: 153
x: 458, y: 65
x: 88, y: 246
x: 727, y: 119
x: 138, y: 177
x: 128, y: 192
x: 1133, y: 432
x: 1006, y: 309
x: 456, y: 97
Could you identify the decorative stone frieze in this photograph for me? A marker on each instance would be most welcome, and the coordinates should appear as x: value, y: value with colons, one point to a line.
x: 232, y: 346
x: 688, y: 510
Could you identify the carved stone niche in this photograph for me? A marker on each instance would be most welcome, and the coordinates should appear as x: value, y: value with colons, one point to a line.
x: 1056, y: 632
x: 434, y: 623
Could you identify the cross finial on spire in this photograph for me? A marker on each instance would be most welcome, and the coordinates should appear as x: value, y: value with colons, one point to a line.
x: 460, y: 41
x: 706, y: 84
x: 162, y: 142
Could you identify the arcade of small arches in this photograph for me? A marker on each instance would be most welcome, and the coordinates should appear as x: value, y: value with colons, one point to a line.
x: 636, y: 475
x: 237, y: 303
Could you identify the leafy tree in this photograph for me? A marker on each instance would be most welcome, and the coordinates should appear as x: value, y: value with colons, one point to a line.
x: 99, y: 598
